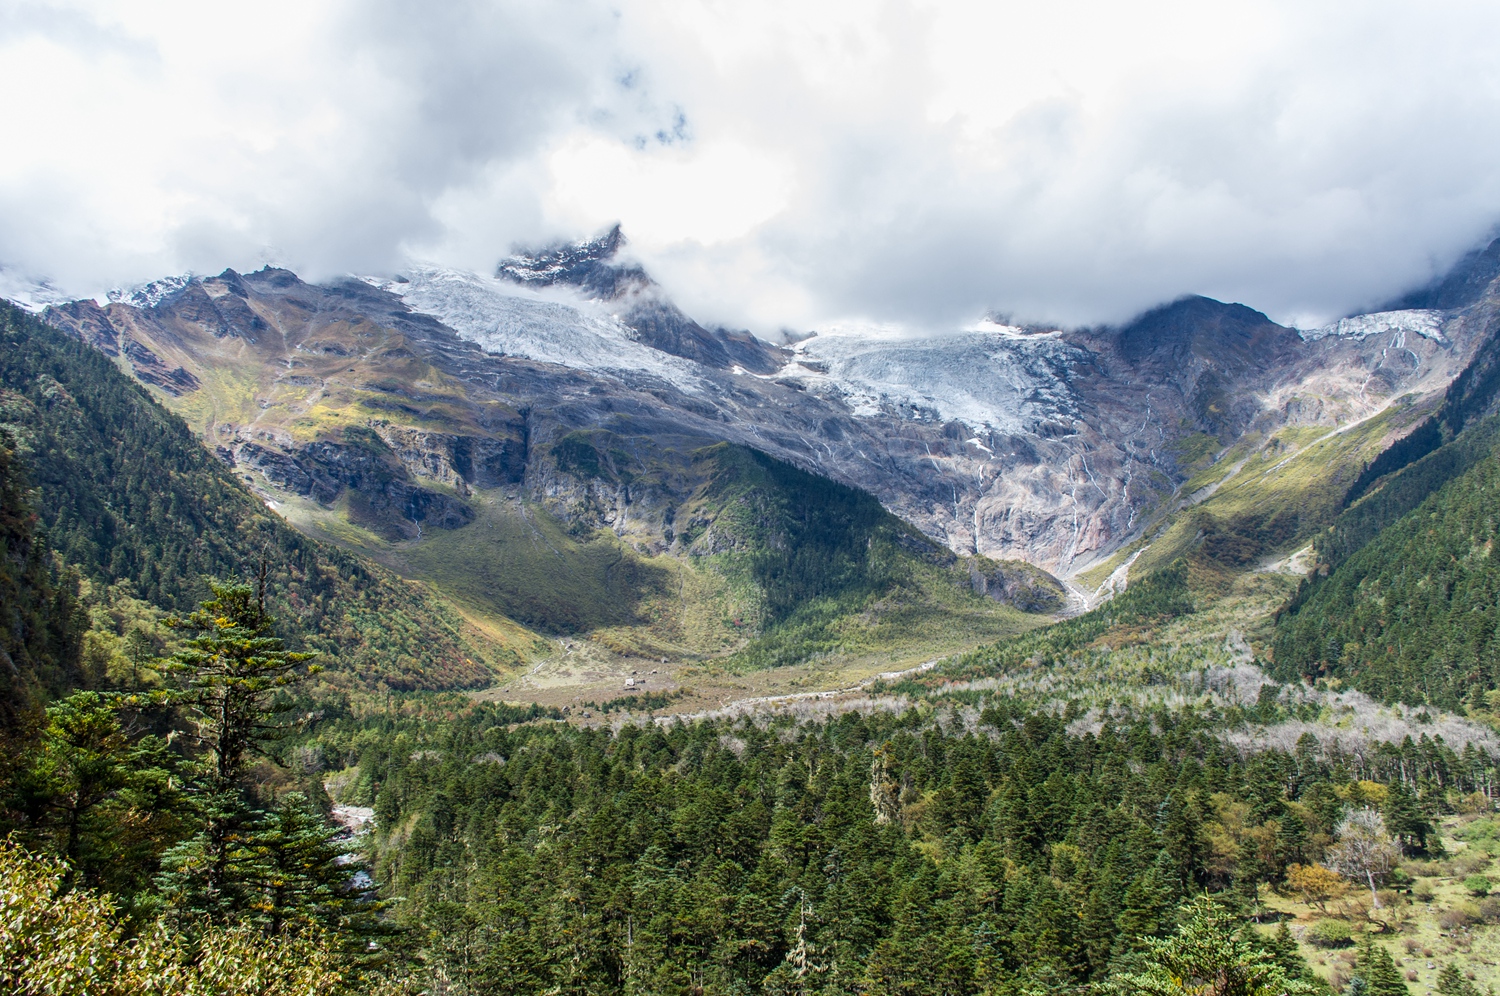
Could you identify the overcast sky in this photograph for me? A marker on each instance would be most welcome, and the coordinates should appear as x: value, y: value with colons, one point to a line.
x: 776, y: 163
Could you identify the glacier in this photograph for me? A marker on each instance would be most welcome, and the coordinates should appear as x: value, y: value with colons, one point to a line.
x: 1424, y: 322
x: 546, y: 326
x: 989, y: 375
x: 997, y: 377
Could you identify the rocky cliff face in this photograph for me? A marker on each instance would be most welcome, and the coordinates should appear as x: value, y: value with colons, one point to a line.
x: 570, y: 379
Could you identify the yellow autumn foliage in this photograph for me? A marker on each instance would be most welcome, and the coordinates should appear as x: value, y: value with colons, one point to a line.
x: 59, y: 942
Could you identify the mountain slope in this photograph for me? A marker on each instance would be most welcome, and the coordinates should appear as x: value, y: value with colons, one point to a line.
x: 528, y: 443
x: 1277, y: 486
x: 1413, y: 614
x: 1404, y: 601
x: 524, y: 490
x: 41, y: 625
x: 763, y: 561
x: 125, y: 492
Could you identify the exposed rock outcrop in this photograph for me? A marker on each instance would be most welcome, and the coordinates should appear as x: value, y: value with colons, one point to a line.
x: 381, y: 494
x: 1014, y: 582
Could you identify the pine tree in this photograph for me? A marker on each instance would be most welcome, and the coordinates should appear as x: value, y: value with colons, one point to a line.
x: 228, y: 673
x: 1404, y: 817
x: 1452, y: 983
x: 1181, y: 828
x: 299, y: 873
x: 1283, y: 948
x: 1146, y: 908
x: 1378, y: 970
x: 226, y: 677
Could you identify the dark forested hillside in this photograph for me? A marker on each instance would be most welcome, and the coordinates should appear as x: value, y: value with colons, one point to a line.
x: 1414, y: 614
x: 1400, y: 493
x: 40, y: 620
x: 124, y: 491
x: 808, y: 537
x: 824, y: 559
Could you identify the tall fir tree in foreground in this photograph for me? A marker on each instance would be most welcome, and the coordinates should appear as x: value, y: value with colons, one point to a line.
x: 226, y: 678
x: 301, y: 873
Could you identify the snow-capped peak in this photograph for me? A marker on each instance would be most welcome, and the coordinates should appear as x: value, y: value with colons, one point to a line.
x: 151, y: 294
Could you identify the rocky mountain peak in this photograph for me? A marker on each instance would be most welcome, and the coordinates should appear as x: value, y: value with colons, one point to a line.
x: 587, y: 265
x: 1201, y: 326
x: 590, y: 267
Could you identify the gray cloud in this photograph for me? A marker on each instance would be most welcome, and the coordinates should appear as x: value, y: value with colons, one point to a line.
x: 781, y: 165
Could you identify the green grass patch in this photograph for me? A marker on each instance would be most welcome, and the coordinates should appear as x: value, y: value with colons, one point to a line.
x: 519, y: 561
x: 1196, y: 450
x: 1091, y: 579
x: 1280, y: 497
x: 1215, y: 472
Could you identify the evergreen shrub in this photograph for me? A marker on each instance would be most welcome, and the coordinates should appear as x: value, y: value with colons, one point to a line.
x: 1330, y: 934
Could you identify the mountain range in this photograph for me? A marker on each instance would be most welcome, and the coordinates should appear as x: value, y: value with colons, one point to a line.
x: 531, y: 442
x: 993, y: 439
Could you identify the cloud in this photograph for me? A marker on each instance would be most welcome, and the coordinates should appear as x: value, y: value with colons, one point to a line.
x: 778, y: 163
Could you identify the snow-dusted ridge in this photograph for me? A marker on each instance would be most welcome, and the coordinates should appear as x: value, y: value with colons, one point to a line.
x: 36, y: 295
x: 149, y: 295
x: 987, y: 375
x: 991, y: 375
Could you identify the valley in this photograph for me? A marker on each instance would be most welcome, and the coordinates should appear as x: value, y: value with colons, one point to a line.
x: 530, y: 445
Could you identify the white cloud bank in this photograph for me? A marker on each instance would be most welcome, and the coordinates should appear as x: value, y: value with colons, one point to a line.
x: 776, y: 163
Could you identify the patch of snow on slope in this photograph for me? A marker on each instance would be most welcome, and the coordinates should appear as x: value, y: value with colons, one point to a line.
x: 502, y: 318
x: 998, y: 376
x: 1425, y: 323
